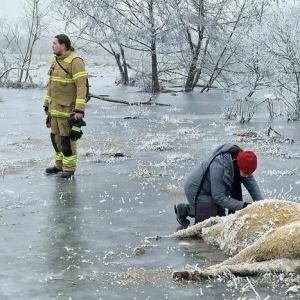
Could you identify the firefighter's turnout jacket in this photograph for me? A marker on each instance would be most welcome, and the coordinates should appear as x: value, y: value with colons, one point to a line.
x: 66, y: 95
x: 67, y: 85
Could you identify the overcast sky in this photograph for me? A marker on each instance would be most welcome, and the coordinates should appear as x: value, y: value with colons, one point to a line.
x: 10, y: 8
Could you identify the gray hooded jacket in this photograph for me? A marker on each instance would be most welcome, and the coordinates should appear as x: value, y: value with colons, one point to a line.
x: 218, y: 182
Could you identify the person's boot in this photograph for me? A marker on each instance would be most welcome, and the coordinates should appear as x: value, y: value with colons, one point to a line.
x: 67, y: 174
x: 181, y: 214
x: 52, y: 170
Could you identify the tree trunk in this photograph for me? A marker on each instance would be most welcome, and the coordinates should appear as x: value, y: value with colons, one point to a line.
x: 125, y: 79
x: 191, y: 75
x: 30, y: 57
x: 34, y: 19
x: 154, y: 69
x: 119, y: 63
x: 298, y: 95
x: 155, y: 81
x: 194, y: 73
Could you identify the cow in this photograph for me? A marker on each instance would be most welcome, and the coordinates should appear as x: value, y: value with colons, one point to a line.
x: 261, y: 238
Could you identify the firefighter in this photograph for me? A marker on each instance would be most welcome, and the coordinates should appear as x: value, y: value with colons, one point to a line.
x: 65, y: 104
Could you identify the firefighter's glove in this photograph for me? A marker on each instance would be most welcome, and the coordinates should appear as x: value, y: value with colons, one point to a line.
x: 75, y: 133
x: 48, y: 122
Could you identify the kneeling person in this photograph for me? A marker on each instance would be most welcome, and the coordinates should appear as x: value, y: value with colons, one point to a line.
x: 216, y: 184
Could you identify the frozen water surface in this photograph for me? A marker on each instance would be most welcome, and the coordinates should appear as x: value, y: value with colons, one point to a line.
x: 84, y: 238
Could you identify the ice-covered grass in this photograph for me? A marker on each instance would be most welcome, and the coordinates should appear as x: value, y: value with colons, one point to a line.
x: 158, y: 142
x: 179, y: 158
x: 284, y: 193
x: 98, y: 156
x: 152, y: 170
x: 189, y: 132
x: 280, y: 173
x: 140, y: 111
x: 169, y: 119
x: 275, y: 151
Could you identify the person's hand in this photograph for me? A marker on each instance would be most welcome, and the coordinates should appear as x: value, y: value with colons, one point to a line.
x: 245, y: 204
x: 76, y: 122
x: 78, y: 116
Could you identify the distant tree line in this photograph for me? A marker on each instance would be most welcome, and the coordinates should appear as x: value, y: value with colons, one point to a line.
x: 231, y: 44
x: 19, y: 40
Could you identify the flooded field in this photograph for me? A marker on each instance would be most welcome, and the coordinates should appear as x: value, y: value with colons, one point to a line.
x: 86, y: 238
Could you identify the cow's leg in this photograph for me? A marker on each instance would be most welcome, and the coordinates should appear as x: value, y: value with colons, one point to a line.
x: 195, y: 230
x: 244, y: 269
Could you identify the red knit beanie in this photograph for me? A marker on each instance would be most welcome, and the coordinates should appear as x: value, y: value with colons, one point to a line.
x: 247, y: 162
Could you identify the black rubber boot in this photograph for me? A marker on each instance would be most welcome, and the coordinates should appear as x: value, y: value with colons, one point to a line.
x: 181, y: 214
x: 67, y: 174
x: 52, y: 170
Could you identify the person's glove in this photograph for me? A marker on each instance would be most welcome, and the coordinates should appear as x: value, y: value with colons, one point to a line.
x: 48, y: 122
x: 75, y: 133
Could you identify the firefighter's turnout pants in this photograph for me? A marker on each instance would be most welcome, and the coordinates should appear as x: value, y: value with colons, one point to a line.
x: 65, y: 149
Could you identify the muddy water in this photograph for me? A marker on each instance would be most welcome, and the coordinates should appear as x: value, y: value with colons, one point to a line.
x: 86, y: 238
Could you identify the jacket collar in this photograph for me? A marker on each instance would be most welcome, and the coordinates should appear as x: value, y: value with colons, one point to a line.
x: 62, y: 57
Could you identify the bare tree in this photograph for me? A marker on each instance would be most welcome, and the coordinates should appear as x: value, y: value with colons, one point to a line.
x: 252, y: 65
x: 207, y: 43
x: 7, y: 39
x: 93, y: 24
x: 213, y: 31
x: 142, y: 31
x: 124, y: 24
x: 281, y: 43
x: 35, y: 14
x: 191, y: 23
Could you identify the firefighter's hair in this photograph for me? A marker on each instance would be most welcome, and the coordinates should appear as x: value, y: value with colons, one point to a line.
x: 64, y: 39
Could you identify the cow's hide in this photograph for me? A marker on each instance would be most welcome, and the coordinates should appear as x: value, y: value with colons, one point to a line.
x: 263, y: 237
